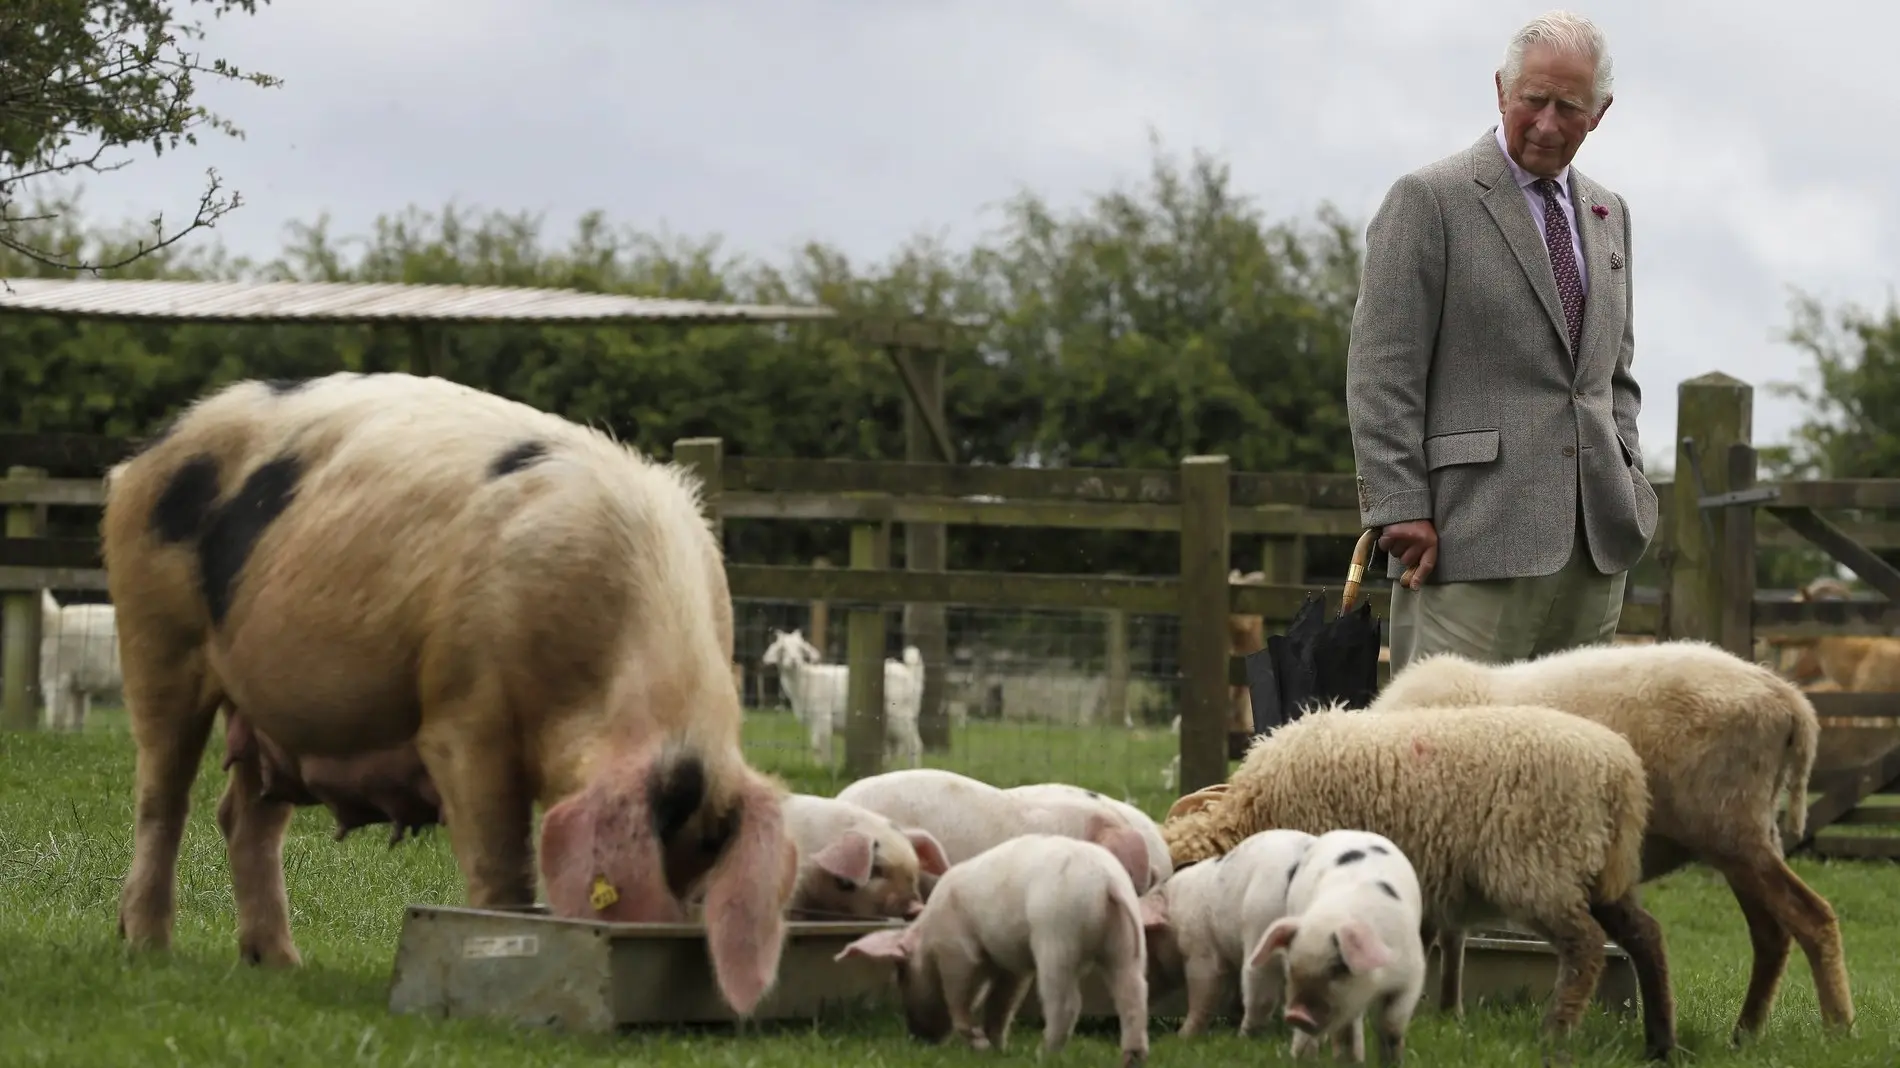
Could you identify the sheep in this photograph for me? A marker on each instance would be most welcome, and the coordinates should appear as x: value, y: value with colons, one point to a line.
x: 818, y: 692
x: 1851, y: 663
x: 79, y: 659
x: 1720, y: 739
x: 359, y: 562
x: 1519, y: 812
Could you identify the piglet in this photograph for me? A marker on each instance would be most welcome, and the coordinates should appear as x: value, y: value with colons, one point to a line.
x: 853, y: 862
x: 1039, y: 905
x: 1193, y: 934
x: 1351, y: 942
x: 970, y: 816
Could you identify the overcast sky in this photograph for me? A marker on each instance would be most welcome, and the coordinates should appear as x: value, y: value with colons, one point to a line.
x: 1751, y: 139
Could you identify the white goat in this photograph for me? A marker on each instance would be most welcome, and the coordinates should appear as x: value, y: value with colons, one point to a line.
x: 79, y: 659
x: 818, y: 692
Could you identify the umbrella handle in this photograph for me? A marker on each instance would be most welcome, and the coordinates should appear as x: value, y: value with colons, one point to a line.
x: 1356, y: 574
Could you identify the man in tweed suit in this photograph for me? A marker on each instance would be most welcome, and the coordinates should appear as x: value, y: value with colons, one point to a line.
x: 1488, y: 379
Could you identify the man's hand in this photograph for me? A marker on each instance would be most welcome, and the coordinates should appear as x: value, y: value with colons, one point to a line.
x: 1415, y: 543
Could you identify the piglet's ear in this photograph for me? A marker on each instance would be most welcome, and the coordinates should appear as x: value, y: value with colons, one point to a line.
x: 878, y: 945
x: 930, y: 855
x: 1154, y: 911
x: 1361, y: 947
x: 848, y: 857
x: 1278, y: 937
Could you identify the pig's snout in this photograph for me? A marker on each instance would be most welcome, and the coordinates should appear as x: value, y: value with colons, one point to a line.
x: 1300, y: 1018
x: 913, y: 908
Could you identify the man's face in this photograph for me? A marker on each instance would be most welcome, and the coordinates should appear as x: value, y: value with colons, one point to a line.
x: 1547, y: 114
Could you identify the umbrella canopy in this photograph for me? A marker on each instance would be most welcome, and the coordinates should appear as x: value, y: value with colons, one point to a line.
x: 1318, y: 660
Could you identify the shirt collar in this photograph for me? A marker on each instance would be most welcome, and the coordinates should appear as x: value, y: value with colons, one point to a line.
x: 1524, y: 177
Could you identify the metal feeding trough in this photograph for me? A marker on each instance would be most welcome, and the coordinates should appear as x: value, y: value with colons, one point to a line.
x: 576, y: 975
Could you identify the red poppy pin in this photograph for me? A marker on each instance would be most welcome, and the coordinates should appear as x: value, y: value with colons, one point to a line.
x: 1601, y: 211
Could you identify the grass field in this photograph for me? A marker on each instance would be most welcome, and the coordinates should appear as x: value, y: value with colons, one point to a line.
x: 72, y: 997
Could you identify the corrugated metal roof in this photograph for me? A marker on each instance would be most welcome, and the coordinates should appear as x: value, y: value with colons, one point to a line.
x: 356, y: 302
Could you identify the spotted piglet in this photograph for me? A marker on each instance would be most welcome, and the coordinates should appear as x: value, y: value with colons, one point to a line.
x: 1351, y: 942
x: 853, y: 862
x: 1041, y: 905
x: 1193, y: 936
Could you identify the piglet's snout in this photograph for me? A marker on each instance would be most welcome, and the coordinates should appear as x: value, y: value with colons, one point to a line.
x: 1300, y: 1018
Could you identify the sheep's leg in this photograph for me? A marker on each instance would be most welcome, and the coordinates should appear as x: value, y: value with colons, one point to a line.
x: 1809, y: 918
x: 254, y: 847
x: 1771, y: 942
x: 170, y: 720
x: 485, y: 802
x: 1634, y: 929
x: 1578, y: 939
x: 1451, y: 971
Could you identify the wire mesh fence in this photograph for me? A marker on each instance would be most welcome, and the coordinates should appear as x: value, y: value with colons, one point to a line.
x: 1029, y: 695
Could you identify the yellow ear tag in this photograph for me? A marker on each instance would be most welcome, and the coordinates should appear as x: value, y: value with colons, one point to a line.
x: 603, y: 894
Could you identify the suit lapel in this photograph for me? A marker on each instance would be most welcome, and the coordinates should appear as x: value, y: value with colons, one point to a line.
x: 1599, y: 305
x: 1505, y: 201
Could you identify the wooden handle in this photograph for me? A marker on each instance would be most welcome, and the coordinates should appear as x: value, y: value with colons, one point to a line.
x: 1356, y: 574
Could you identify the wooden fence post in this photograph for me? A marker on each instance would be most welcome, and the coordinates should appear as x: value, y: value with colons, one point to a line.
x: 1738, y: 557
x: 820, y: 615
x: 1713, y: 413
x: 706, y: 457
x: 926, y: 548
x: 864, y: 655
x: 1115, y: 667
x: 20, y: 623
x: 1283, y: 560
x: 1203, y: 613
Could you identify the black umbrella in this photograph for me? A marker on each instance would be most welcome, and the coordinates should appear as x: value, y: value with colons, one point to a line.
x: 1318, y: 660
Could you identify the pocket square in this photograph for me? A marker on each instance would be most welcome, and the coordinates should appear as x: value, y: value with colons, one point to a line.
x: 1616, y: 261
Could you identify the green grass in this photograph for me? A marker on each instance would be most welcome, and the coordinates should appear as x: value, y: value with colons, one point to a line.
x: 71, y: 996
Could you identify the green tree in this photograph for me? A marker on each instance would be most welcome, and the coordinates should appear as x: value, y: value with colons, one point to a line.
x: 84, y: 81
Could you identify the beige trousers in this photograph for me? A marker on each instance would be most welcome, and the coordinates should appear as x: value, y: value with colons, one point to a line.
x: 1501, y: 620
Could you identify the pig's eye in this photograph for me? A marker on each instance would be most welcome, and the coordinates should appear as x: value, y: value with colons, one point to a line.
x: 845, y: 884
x: 1340, y: 968
x: 877, y: 870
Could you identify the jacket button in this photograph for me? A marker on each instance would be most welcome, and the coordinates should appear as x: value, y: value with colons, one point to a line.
x: 1570, y: 450
x: 1579, y: 394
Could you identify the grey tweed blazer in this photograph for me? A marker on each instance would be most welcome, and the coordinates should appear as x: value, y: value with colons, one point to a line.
x: 1467, y: 406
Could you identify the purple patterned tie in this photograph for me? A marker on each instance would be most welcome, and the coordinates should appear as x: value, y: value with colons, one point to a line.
x: 1563, y: 261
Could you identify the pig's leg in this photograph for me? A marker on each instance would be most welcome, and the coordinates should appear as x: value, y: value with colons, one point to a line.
x: 1394, y: 1015
x: 1206, y: 982
x: 474, y: 761
x: 962, y: 978
x: 254, y: 847
x: 1349, y: 1042
x: 1058, y: 962
x: 171, y: 715
x: 1259, y: 993
x: 1006, y: 995
x: 1304, y: 1044
x: 1451, y: 971
x: 1128, y: 988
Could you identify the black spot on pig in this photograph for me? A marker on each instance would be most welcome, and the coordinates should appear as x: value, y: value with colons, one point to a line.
x: 517, y: 457
x: 1389, y: 892
x: 1379, y: 849
x: 1350, y: 856
x: 283, y: 387
x: 233, y: 532
x: 186, y: 503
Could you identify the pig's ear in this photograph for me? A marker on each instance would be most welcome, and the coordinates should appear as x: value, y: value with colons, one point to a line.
x: 848, y: 858
x: 1127, y: 846
x: 1154, y: 912
x: 930, y: 855
x: 1278, y: 937
x: 1361, y: 947
x: 878, y: 945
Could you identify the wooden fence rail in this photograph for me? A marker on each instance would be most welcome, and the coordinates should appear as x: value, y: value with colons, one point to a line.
x: 1709, y: 532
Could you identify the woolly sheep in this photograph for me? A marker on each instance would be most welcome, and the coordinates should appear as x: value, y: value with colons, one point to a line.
x: 819, y: 692
x: 1041, y: 907
x: 363, y: 561
x: 1523, y: 813
x: 1720, y: 739
x: 79, y: 659
x: 1204, y: 922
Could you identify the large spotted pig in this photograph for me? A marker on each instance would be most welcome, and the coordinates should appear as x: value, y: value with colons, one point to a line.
x: 1351, y: 943
x: 363, y: 563
x: 1037, y: 906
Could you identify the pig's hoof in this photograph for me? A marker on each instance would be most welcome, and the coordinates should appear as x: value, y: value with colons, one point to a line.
x: 1134, y: 1058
